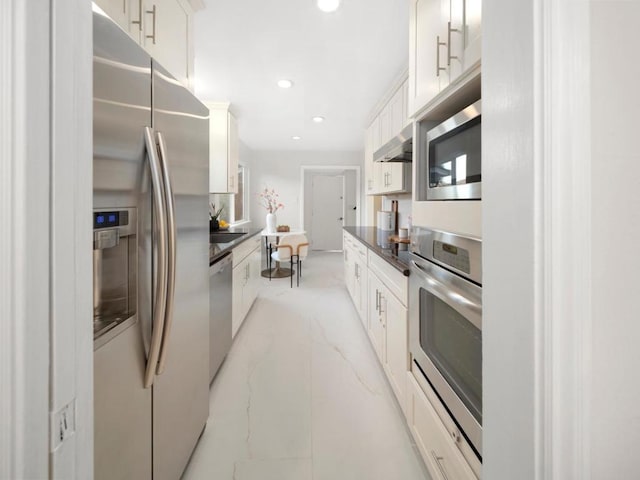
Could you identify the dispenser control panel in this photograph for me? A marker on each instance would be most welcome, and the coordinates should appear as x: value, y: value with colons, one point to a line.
x: 110, y: 219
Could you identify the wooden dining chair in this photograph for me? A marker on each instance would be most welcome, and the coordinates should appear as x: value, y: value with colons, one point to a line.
x: 292, y: 248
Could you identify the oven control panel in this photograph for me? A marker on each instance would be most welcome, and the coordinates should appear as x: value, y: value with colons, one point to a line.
x: 451, y: 255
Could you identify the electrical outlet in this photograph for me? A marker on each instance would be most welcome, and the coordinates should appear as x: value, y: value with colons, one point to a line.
x: 63, y: 424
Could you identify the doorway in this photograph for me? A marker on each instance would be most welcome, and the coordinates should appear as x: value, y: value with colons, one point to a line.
x: 331, y: 200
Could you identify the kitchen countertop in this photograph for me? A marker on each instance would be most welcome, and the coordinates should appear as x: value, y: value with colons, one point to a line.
x: 378, y: 241
x: 216, y: 250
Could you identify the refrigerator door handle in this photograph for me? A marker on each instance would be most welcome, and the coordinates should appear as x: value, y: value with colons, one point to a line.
x: 171, y: 252
x: 160, y: 223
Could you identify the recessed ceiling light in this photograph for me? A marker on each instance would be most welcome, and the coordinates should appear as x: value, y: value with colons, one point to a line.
x: 296, y: 137
x: 328, y: 5
x: 318, y: 119
x: 285, y: 83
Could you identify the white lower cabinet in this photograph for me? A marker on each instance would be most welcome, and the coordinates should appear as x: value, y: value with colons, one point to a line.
x: 355, y: 273
x: 379, y: 293
x: 245, y: 282
x: 384, y: 312
x: 436, y: 444
x: 388, y: 319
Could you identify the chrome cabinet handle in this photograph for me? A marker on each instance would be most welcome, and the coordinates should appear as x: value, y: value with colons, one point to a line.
x: 438, y: 460
x: 171, y: 252
x: 377, y: 301
x: 153, y: 27
x: 449, y: 30
x: 438, y: 45
x: 139, y: 21
x: 162, y: 261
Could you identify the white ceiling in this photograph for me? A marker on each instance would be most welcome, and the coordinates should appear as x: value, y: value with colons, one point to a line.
x: 341, y: 64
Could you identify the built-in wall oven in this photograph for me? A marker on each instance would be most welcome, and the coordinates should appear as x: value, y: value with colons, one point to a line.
x: 445, y: 328
x: 449, y: 165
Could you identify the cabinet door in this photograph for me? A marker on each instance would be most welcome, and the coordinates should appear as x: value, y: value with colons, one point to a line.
x: 360, y: 288
x: 348, y: 269
x: 397, y: 357
x: 472, y: 32
x: 426, y: 54
x: 406, y: 117
x: 376, y: 330
x: 118, y: 10
x: 453, y: 20
x: 255, y: 273
x: 376, y: 142
x: 441, y: 456
x: 368, y: 161
x: 233, y: 154
x: 237, y: 307
x: 395, y: 177
x: 166, y: 28
x: 397, y: 112
x: 385, y: 124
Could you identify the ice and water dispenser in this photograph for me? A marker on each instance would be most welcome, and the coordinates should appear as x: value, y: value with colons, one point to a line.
x: 115, y: 252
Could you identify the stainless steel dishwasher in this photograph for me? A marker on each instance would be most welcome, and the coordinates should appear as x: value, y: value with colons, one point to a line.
x: 220, y: 294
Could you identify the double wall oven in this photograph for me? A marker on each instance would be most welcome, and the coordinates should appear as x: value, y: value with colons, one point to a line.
x: 445, y: 295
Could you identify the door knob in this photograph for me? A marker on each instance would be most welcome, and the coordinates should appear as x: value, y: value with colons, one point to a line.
x: 340, y: 219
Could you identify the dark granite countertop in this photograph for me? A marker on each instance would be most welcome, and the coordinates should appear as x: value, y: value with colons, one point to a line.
x: 397, y: 255
x: 216, y: 250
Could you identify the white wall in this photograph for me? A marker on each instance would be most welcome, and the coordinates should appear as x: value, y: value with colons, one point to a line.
x: 281, y: 171
x: 561, y: 329
x: 46, y: 336
x: 509, y: 241
x: 615, y: 223
x: 404, y: 208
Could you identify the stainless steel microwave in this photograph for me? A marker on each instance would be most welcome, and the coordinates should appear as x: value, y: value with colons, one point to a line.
x: 450, y: 157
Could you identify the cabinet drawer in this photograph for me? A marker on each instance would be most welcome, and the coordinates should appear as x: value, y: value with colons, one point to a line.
x: 245, y: 248
x: 394, y: 280
x: 440, y: 454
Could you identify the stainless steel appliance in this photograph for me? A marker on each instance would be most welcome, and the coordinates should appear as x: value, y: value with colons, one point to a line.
x: 450, y: 157
x: 398, y: 149
x: 220, y: 295
x: 445, y: 326
x: 151, y: 358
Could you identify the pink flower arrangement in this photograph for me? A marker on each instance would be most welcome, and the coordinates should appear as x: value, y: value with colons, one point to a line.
x: 269, y: 200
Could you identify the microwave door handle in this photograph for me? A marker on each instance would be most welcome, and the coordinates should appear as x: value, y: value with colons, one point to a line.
x: 171, y: 252
x: 452, y: 297
x: 160, y: 247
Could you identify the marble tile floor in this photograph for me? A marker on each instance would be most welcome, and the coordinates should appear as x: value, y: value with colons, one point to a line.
x: 301, y: 394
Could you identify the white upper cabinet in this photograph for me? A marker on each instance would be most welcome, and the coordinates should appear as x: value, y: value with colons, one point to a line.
x: 445, y: 38
x: 118, y: 10
x: 166, y: 36
x: 223, y: 149
x: 161, y: 27
x: 397, y: 113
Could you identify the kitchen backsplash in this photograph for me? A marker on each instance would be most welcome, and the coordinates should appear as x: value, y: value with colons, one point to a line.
x: 404, y: 208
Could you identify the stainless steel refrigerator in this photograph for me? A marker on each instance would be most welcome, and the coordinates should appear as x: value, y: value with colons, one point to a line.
x: 151, y: 260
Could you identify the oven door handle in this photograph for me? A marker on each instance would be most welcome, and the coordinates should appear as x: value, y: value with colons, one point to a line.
x: 453, y: 296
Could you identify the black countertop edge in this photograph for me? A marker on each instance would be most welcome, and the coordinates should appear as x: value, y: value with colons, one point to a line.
x: 378, y: 241
x: 217, y: 250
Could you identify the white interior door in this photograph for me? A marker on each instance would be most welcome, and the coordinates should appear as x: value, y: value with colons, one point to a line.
x: 327, y: 212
